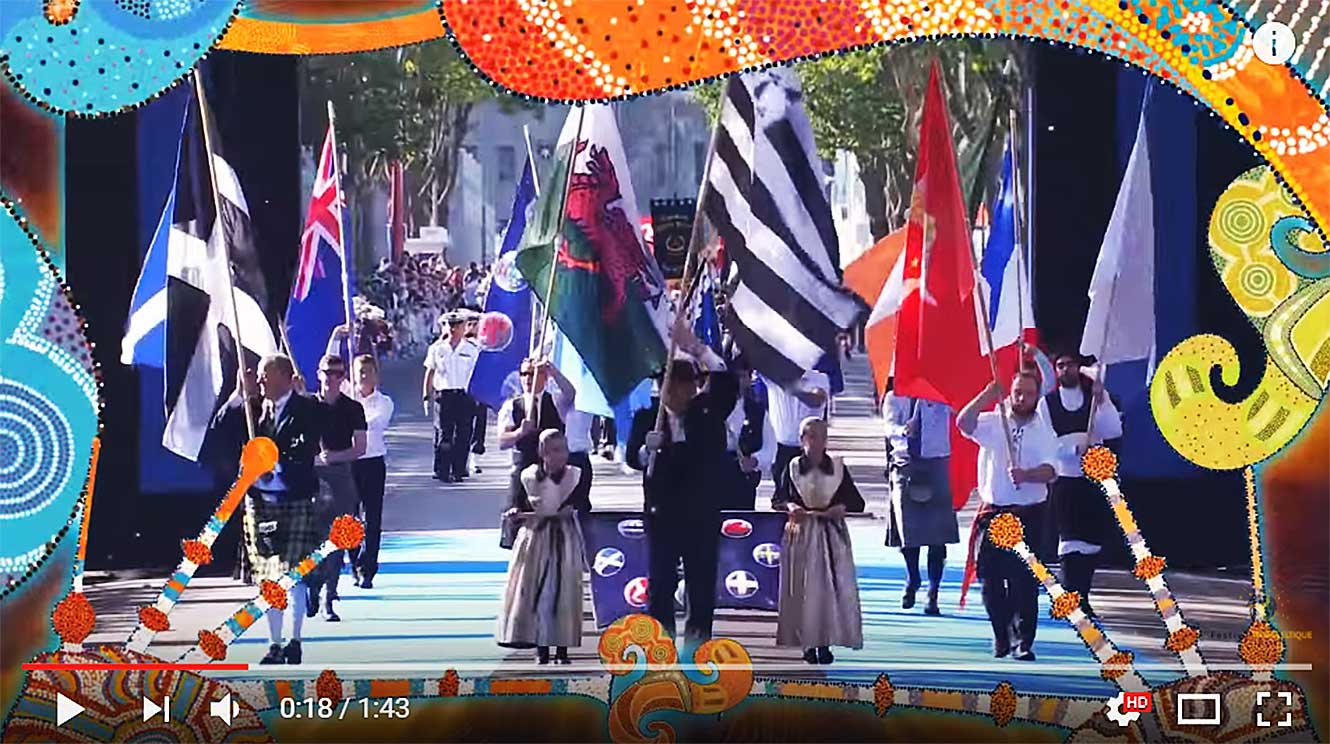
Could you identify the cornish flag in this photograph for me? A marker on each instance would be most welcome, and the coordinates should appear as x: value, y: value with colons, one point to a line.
x: 321, y: 292
x: 200, y: 290
x: 765, y: 197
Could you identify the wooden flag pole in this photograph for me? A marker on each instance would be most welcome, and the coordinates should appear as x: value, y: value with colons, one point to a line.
x: 535, y: 183
x: 205, y: 122
x: 350, y: 307
x: 685, y: 307
x: 1018, y: 228
x: 992, y: 354
x: 1100, y: 381
x: 547, y: 305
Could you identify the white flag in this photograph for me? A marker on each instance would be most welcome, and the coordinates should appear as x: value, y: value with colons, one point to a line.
x: 1120, y: 325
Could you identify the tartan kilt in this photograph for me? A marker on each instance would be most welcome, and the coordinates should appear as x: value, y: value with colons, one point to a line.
x: 294, y: 526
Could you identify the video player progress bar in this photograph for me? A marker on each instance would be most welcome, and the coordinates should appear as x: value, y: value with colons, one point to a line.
x: 1037, y: 667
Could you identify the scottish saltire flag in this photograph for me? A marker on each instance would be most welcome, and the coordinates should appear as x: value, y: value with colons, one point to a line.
x: 1007, y: 290
x: 144, y: 342
x: 321, y: 292
x: 204, y: 292
x: 509, y: 295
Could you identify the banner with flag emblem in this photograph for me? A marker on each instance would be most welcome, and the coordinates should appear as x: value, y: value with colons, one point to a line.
x: 609, y: 295
x: 321, y: 291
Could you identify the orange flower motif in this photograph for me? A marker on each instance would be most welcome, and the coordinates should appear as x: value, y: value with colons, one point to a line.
x: 328, y: 686
x: 1149, y: 567
x: 60, y: 12
x: 1117, y: 664
x: 273, y: 594
x: 1099, y: 463
x: 884, y: 695
x: 154, y: 619
x: 1006, y: 530
x: 1002, y: 705
x: 1261, y: 645
x: 212, y: 645
x: 1064, y: 604
x: 450, y: 684
x: 1182, y: 639
x: 346, y: 532
x: 74, y: 618
x: 197, y: 552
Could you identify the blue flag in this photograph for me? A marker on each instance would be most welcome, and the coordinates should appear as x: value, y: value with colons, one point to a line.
x: 510, y: 296
x: 707, y: 325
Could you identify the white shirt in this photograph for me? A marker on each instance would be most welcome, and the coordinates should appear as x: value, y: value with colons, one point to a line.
x: 786, y: 412
x: 930, y: 419
x: 378, y: 410
x: 1107, y: 425
x: 561, y: 404
x: 452, y: 365
x: 734, y: 426
x: 1035, y: 445
x: 577, y: 428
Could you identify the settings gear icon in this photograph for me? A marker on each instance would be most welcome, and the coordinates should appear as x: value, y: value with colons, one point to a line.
x: 1115, y: 713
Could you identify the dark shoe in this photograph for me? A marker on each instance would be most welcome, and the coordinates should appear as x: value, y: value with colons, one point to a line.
x: 367, y: 583
x: 274, y: 655
x: 907, y: 600
x: 810, y: 656
x: 292, y: 652
x: 1001, y: 650
x: 1026, y: 655
x: 454, y: 479
x: 542, y: 656
x: 561, y: 656
x: 333, y: 617
x: 312, y: 604
x: 356, y: 576
x: 824, y: 656
x: 931, y: 608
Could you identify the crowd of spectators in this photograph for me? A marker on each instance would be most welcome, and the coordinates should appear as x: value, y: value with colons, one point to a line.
x: 415, y: 290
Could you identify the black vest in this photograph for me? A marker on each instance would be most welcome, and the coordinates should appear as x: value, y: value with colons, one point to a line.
x: 1070, y: 422
x: 527, y: 450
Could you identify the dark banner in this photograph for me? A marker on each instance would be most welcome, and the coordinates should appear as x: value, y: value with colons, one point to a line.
x: 748, y: 570
x: 672, y: 228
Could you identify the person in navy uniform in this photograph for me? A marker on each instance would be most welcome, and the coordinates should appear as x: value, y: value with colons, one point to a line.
x: 281, y: 518
x: 683, y: 493
x: 448, y: 367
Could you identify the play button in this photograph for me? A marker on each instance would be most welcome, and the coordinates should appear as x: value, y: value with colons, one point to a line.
x: 65, y: 709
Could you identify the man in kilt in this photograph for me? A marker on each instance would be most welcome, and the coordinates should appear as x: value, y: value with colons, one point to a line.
x: 281, y: 522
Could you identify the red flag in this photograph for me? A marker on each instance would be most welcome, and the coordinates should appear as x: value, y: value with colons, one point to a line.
x: 937, y: 345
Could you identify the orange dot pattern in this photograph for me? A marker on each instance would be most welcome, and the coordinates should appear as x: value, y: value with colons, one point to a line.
x: 74, y: 618
x: 1002, y: 705
x: 328, y: 686
x: 1261, y: 645
x: 1149, y: 567
x: 1182, y: 639
x: 212, y: 645
x: 154, y: 619
x: 884, y: 694
x: 1064, y: 605
x: 1006, y: 530
x: 1099, y: 463
x: 60, y: 12
x: 1117, y: 665
x: 273, y: 594
x: 346, y: 532
x: 197, y: 552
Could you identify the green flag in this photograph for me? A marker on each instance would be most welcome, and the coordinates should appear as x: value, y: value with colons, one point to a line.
x: 610, y: 298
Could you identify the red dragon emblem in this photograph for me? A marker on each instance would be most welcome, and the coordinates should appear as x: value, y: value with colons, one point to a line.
x: 622, y: 264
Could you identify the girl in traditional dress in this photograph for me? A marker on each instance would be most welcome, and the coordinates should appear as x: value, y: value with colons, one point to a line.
x: 819, y: 592
x: 542, y: 606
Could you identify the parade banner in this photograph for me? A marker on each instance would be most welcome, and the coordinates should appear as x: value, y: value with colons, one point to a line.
x: 748, y: 560
x: 672, y: 228
x: 747, y: 572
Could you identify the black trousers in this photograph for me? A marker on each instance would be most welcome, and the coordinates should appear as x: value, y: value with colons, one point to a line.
x: 370, y: 474
x: 741, y: 492
x: 695, y: 539
x: 581, y: 460
x: 1011, y: 593
x: 479, y: 428
x: 454, y: 417
x: 1078, y: 574
x: 780, y: 472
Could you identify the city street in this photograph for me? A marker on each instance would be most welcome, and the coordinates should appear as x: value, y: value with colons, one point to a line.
x: 433, y: 605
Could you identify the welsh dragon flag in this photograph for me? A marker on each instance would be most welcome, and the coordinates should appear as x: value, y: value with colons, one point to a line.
x: 609, y: 295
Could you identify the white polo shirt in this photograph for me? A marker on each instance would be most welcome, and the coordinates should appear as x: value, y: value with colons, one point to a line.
x: 1035, y: 445
x: 452, y: 365
x: 378, y: 411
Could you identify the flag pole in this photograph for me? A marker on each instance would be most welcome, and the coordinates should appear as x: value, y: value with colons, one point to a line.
x: 1018, y: 228
x: 1100, y: 381
x: 535, y: 183
x: 349, y: 307
x: 205, y: 122
x: 689, y: 279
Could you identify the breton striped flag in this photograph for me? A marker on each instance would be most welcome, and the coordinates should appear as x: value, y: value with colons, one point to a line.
x: 765, y: 198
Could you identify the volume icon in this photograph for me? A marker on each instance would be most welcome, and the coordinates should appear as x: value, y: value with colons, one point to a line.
x: 225, y: 709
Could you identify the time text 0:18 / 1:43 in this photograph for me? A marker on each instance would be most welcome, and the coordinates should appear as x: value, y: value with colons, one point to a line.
x: 329, y: 709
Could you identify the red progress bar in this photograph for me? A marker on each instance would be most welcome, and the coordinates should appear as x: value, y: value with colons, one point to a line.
x: 138, y: 667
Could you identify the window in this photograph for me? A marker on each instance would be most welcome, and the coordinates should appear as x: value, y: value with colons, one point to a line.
x: 507, y: 163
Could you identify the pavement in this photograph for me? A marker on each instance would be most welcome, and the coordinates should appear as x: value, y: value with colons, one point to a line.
x: 435, y: 600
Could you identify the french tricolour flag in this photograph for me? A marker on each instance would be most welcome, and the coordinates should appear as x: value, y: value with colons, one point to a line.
x: 321, y: 292
x: 1005, y: 277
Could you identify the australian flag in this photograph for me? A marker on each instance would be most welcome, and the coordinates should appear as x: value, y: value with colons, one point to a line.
x: 509, y: 296
x: 321, y: 292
